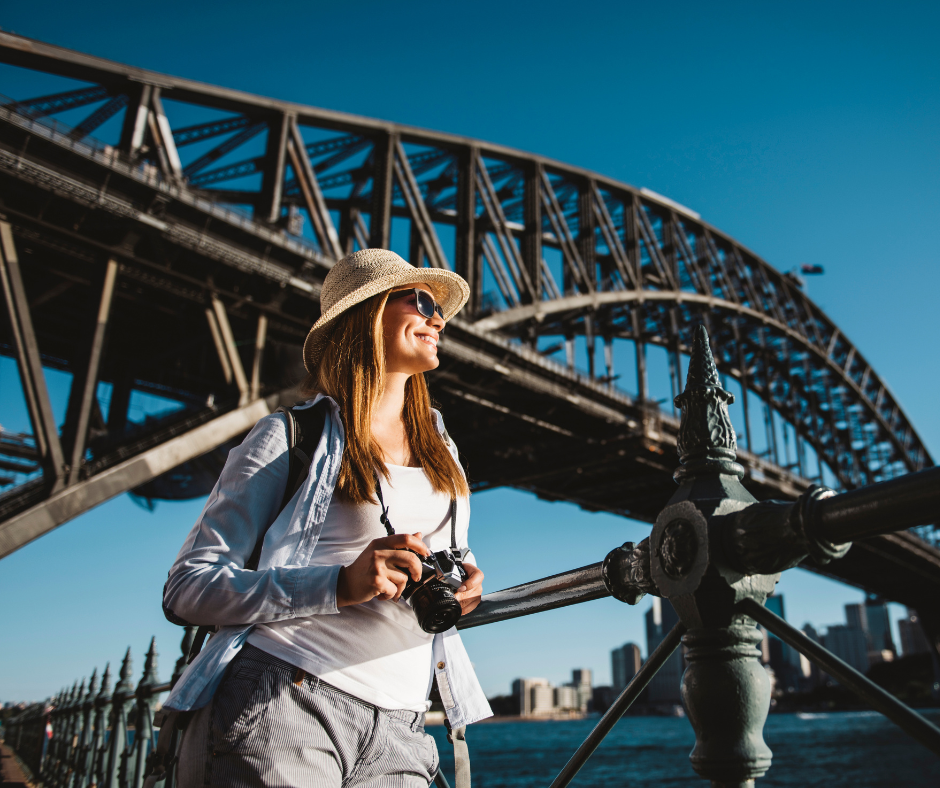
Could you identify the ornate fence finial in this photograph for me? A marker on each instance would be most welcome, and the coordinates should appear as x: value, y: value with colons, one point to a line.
x: 124, y: 683
x: 105, y: 681
x: 150, y: 666
x: 706, y: 441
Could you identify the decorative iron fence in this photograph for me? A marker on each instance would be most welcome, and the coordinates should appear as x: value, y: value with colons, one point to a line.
x: 92, y: 737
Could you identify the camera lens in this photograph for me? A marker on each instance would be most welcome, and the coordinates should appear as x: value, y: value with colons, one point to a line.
x: 435, y: 606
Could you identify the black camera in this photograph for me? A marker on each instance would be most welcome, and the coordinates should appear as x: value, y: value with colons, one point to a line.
x: 432, y: 597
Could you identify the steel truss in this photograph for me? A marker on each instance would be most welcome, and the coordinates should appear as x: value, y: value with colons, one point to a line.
x: 191, y: 254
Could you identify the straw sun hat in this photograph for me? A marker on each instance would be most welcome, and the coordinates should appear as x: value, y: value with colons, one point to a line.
x: 366, y: 273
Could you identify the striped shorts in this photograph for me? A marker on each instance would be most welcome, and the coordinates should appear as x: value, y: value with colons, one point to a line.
x: 272, y: 726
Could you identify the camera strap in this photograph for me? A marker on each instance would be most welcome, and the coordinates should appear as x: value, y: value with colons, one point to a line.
x: 383, y: 518
x: 456, y: 735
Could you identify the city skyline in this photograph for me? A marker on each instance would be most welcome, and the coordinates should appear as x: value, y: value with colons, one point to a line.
x: 862, y: 639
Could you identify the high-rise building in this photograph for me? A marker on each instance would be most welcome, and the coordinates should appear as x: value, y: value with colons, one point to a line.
x: 811, y: 673
x: 783, y: 660
x: 523, y: 691
x: 581, y: 676
x: 664, y: 687
x: 543, y: 699
x: 624, y: 664
x: 774, y: 604
x: 913, y: 639
x: 581, y: 679
x: 849, y: 644
x: 857, y: 618
x: 873, y: 619
x: 602, y: 698
x: 567, y: 697
x: 879, y: 627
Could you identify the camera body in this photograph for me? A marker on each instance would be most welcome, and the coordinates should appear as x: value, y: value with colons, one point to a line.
x: 432, y: 597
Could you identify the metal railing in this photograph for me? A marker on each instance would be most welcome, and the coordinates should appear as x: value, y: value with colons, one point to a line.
x: 90, y: 735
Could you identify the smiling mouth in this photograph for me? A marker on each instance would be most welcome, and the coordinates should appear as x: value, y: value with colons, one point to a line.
x: 428, y: 339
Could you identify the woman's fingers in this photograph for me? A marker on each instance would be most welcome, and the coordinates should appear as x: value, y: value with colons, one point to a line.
x: 471, y: 591
x: 401, y: 542
x: 402, y: 561
x: 386, y: 589
x: 381, y: 571
x: 473, y: 582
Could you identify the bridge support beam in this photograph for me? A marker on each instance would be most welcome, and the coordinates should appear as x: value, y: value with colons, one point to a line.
x: 275, y: 160
x: 380, y: 221
x: 85, y: 384
x: 79, y: 498
x: 467, y: 262
x: 532, y: 235
x: 28, y: 362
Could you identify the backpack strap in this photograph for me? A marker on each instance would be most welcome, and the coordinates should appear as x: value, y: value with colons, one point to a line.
x: 304, y: 429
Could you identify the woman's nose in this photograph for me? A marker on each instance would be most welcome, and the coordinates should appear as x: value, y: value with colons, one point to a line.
x: 437, y: 322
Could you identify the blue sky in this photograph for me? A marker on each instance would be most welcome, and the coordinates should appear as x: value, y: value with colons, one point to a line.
x: 806, y: 131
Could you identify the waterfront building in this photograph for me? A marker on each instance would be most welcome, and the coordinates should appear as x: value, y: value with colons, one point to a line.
x: 913, y: 639
x: 567, y: 698
x: 849, y: 644
x: 602, y: 698
x: 811, y: 674
x: 663, y: 690
x: 873, y: 619
x: 784, y: 661
x: 581, y: 679
x: 856, y: 617
x: 543, y: 700
x: 624, y: 663
x: 523, y: 690
x: 879, y: 628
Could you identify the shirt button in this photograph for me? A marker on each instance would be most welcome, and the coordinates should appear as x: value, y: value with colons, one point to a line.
x: 440, y: 666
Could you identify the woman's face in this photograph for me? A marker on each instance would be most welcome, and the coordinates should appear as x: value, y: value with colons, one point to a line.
x: 410, y: 338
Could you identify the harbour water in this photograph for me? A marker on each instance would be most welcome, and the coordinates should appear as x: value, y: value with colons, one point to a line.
x: 857, y: 749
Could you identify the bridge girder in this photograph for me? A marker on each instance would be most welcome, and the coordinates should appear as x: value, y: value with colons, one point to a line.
x: 553, y: 253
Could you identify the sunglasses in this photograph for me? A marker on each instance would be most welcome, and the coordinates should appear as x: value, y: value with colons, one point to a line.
x: 424, y: 301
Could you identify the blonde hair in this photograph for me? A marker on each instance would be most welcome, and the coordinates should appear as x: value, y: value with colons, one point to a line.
x: 351, y: 370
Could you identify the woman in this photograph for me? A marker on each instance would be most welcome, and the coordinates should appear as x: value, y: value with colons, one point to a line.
x: 320, y: 674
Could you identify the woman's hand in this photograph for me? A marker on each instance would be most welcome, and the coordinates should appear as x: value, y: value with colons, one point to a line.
x: 472, y: 589
x: 381, y: 570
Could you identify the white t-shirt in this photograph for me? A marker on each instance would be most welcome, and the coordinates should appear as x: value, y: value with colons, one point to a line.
x: 375, y: 651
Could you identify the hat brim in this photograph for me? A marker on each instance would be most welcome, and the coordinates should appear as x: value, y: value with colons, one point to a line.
x: 450, y: 290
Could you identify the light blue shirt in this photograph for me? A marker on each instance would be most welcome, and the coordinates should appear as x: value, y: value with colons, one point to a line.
x: 208, y: 583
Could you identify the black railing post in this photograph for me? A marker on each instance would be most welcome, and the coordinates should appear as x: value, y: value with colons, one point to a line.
x: 189, y: 635
x: 84, y: 753
x: 117, y: 742
x: 97, y: 757
x: 74, y: 733
x: 143, y: 721
x: 716, y: 553
x: 725, y: 690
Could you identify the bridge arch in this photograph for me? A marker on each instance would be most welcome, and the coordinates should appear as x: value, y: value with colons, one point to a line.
x: 219, y: 194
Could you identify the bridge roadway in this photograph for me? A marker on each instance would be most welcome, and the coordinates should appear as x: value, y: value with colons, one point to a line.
x: 208, y: 306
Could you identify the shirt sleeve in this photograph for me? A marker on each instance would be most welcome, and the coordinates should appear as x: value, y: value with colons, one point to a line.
x: 208, y: 583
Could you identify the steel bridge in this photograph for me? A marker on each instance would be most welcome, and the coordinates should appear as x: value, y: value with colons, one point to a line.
x: 168, y: 238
